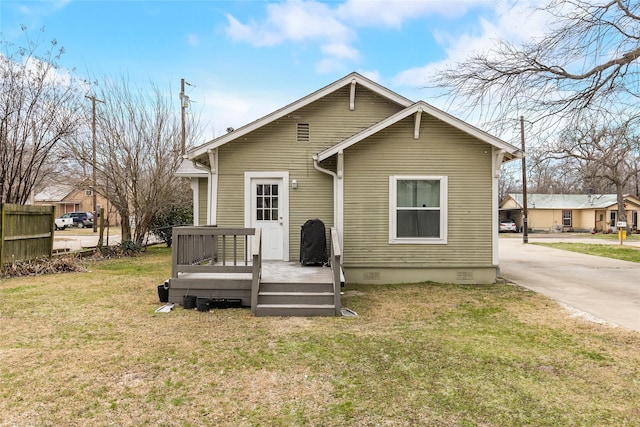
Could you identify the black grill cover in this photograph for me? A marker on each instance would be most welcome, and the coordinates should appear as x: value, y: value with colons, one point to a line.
x: 313, y: 243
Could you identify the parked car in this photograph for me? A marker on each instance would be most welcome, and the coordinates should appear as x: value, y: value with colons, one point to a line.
x: 63, y: 222
x: 80, y: 219
x: 508, y: 225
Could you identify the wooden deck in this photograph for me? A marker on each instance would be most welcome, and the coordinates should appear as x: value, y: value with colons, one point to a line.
x: 209, y: 262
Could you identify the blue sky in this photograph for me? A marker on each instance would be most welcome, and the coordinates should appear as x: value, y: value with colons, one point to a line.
x: 247, y: 58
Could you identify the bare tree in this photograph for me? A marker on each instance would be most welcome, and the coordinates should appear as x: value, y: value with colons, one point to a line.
x: 510, y: 180
x: 587, y: 60
x: 601, y: 154
x: 138, y: 151
x: 39, y: 108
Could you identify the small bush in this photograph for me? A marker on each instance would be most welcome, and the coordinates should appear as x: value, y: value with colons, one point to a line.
x: 163, y: 222
x: 123, y: 249
x: 129, y: 247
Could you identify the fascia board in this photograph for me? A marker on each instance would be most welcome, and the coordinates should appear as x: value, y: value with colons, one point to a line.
x: 302, y: 102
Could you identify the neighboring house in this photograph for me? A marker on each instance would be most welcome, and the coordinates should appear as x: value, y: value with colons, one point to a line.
x: 411, y: 190
x: 69, y: 198
x: 571, y: 212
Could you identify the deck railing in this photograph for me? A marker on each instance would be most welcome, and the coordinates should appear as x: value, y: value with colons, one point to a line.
x: 256, y: 259
x: 336, y: 266
x: 209, y: 249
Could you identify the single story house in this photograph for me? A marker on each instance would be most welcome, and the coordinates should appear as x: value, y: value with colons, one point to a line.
x: 570, y: 212
x: 411, y: 190
x: 70, y: 198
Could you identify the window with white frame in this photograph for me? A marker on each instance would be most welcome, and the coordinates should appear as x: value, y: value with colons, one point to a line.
x: 418, y: 209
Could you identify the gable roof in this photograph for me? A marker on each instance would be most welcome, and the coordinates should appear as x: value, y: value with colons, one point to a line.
x: 348, y: 79
x: 511, y: 152
x: 54, y: 193
x: 569, y: 201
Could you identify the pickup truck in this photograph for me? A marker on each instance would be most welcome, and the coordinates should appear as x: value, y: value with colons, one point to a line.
x: 63, y: 222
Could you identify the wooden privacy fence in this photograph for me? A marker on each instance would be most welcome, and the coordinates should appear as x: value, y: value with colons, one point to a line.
x: 26, y: 232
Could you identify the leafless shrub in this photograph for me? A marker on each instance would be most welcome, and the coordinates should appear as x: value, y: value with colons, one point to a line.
x: 57, y: 264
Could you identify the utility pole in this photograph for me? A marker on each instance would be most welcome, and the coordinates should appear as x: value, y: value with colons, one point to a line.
x: 184, y: 103
x: 525, y: 210
x: 93, y: 159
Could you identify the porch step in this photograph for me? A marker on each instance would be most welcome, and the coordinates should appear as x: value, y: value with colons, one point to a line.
x: 295, y: 299
x: 299, y: 310
x: 296, y: 287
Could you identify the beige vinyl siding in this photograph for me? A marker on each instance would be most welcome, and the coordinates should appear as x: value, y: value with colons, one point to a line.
x: 203, y: 200
x: 551, y: 219
x: 583, y: 219
x: 274, y: 147
x: 441, y: 150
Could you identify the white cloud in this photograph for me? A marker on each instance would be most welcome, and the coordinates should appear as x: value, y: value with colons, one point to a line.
x: 299, y: 20
x: 340, y: 50
x: 372, y: 75
x: 333, y: 26
x: 295, y: 21
x: 393, y: 13
x: 253, y: 34
x: 517, y: 23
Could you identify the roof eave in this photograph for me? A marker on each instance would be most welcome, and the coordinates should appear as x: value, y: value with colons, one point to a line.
x: 296, y: 105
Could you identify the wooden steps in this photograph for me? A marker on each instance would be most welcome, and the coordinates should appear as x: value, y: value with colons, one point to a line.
x: 295, y: 299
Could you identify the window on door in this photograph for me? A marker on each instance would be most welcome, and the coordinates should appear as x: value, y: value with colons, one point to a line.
x: 613, y: 218
x: 267, y: 202
x: 417, y: 209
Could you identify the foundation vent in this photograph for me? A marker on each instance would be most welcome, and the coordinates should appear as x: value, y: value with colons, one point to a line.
x: 371, y: 275
x: 464, y: 276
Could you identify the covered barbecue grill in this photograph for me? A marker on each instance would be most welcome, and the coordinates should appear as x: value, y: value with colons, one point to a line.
x: 313, y: 243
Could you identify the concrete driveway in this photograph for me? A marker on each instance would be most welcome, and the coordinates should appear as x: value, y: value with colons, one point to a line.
x: 607, y: 289
x: 72, y: 240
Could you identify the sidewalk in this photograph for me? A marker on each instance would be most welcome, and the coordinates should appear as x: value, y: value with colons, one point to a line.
x: 72, y: 241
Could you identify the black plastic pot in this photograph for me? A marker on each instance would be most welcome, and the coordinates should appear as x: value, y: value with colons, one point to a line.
x: 189, y: 301
x: 203, y: 304
x: 163, y: 293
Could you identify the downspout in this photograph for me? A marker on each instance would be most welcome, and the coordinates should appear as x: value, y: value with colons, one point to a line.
x: 210, y: 171
x: 317, y: 166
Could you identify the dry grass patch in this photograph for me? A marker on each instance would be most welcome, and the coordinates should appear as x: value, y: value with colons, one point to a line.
x: 88, y: 349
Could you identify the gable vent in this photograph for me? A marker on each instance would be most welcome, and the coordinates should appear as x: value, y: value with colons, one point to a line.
x: 303, y: 132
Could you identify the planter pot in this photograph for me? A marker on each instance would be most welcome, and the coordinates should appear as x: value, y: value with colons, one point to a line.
x: 189, y: 301
x: 203, y: 304
x: 163, y: 292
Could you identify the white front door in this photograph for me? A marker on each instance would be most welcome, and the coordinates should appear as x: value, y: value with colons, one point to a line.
x: 269, y: 211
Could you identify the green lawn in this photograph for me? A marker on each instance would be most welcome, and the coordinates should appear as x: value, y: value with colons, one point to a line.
x: 88, y: 349
x: 613, y: 250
